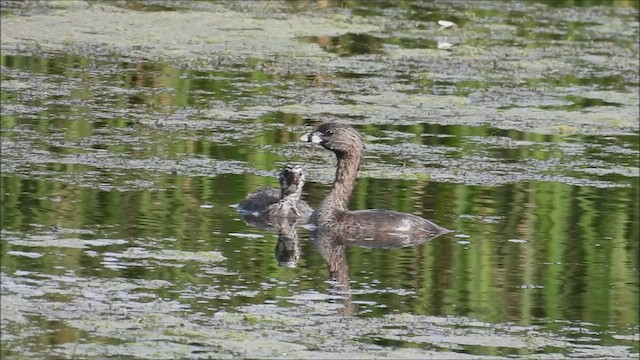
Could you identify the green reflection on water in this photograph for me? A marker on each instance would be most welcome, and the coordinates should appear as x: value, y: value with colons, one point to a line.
x: 539, y: 250
x: 564, y: 256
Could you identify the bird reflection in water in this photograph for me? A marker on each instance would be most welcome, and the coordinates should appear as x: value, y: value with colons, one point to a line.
x: 287, y: 250
x: 332, y: 244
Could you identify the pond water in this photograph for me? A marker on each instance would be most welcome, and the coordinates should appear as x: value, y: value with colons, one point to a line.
x: 130, y: 129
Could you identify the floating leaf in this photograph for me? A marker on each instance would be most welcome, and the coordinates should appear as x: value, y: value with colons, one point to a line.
x: 444, y: 24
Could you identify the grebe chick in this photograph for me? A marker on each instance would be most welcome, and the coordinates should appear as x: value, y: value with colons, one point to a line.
x: 286, y: 203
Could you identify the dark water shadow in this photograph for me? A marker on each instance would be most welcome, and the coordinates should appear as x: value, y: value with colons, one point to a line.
x: 348, y: 44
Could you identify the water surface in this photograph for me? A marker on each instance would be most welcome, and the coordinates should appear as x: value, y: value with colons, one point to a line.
x: 127, y: 137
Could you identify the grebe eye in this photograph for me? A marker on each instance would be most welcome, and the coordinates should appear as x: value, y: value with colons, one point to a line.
x: 328, y: 132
